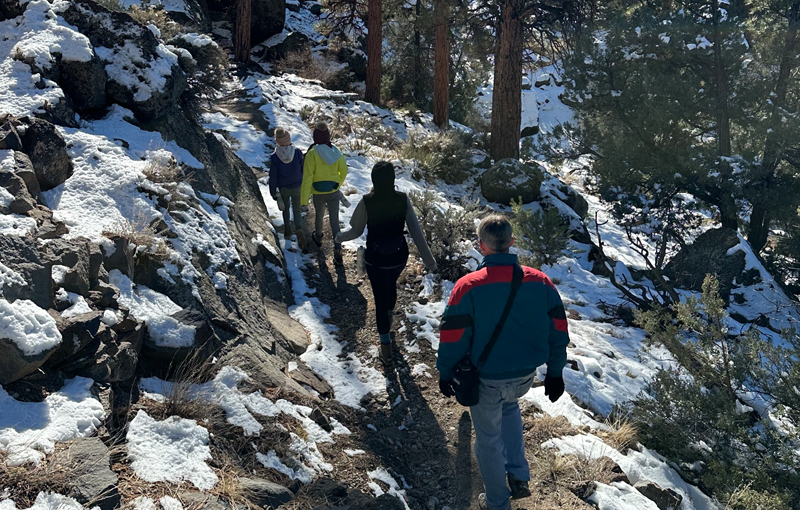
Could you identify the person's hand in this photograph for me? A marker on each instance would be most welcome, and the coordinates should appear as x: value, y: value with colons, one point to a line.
x: 553, y: 387
x: 446, y: 387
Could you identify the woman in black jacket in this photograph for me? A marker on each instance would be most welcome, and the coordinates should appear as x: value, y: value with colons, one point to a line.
x: 386, y: 212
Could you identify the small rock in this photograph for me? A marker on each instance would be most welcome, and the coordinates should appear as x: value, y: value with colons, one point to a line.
x: 665, y: 499
x: 47, y: 151
x: 94, y: 484
x: 264, y: 493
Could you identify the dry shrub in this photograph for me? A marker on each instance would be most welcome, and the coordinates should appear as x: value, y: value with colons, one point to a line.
x: 141, y: 233
x: 157, y: 17
x: 543, y: 427
x: 23, y: 483
x: 304, y: 64
x: 622, y: 435
x: 163, y: 170
x: 444, y: 155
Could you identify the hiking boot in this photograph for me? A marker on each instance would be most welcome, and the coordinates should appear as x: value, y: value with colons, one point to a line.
x: 385, y: 355
x: 301, y: 240
x: 519, y: 488
x: 317, y: 240
x: 482, y: 501
x: 337, y: 257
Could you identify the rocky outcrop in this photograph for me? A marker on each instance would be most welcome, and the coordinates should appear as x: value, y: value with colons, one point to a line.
x: 510, y: 179
x: 22, y: 201
x: 28, y: 336
x: 84, y: 82
x: 82, y: 258
x: 265, y: 494
x: 94, y: 484
x: 150, y: 86
x: 708, y: 254
x: 268, y: 18
x: 10, y: 9
x: 47, y: 151
x: 9, y: 137
x: 195, y: 16
x: 665, y: 499
x: 22, y: 255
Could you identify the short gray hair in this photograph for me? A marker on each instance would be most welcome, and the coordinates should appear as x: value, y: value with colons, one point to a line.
x: 495, y: 231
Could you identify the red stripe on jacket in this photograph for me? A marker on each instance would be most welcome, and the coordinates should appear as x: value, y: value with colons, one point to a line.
x: 450, y: 336
x: 561, y: 325
x: 495, y: 274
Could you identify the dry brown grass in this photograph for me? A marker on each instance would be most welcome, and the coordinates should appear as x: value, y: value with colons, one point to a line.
x: 303, y: 64
x: 141, y: 233
x: 156, y: 16
x: 162, y: 170
x: 24, y: 483
x: 622, y: 435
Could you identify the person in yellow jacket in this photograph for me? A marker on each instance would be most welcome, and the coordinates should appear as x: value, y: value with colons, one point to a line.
x: 324, y: 172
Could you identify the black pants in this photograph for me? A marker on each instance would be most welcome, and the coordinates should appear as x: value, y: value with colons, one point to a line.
x: 384, y: 290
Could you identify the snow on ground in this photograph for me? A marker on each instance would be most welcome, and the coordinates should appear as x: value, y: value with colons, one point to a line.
x: 349, y: 377
x: 381, y: 475
x: 45, y: 501
x: 240, y: 407
x: 645, y: 465
x: 249, y: 143
x: 37, y: 34
x: 172, y: 450
x: 9, y: 277
x: 29, y: 430
x: 155, y: 309
x: 30, y: 327
x: 620, y: 496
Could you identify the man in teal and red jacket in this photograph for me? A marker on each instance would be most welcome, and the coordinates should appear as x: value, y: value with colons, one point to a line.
x: 534, y: 333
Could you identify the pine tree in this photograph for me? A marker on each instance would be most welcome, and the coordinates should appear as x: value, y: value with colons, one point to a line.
x: 242, y: 31
x: 374, y: 51
x: 441, y: 80
x: 551, y: 23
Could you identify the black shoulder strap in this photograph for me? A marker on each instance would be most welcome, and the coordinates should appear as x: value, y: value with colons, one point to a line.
x: 516, y: 283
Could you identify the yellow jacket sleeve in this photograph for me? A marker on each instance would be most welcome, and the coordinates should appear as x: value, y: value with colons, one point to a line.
x: 342, y: 169
x: 309, y: 167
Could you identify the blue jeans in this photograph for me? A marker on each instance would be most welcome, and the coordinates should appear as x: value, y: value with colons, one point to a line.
x: 499, y: 447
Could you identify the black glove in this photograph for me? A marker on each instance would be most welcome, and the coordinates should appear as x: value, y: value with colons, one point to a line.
x: 446, y: 387
x: 553, y: 387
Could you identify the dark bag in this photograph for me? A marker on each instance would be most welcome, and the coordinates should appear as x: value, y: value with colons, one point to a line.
x: 388, y: 245
x: 465, y: 378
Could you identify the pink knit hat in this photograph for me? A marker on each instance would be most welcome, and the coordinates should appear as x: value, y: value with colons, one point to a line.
x: 282, y: 136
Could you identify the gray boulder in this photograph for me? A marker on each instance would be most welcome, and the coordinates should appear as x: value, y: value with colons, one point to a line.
x: 84, y: 82
x: 708, y: 255
x: 118, y: 39
x: 48, y: 153
x: 21, y: 254
x: 268, y: 18
x: 288, y: 331
x: 205, y: 341
x: 24, y: 169
x: 22, y: 202
x: 510, y: 179
x: 9, y: 137
x: 79, y: 331
x: 94, y: 484
x: 82, y: 257
x: 111, y: 362
x: 665, y: 499
x: 17, y: 362
x: 118, y: 256
x: 265, y: 494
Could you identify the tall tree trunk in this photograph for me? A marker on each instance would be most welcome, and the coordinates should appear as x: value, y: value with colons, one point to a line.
x: 419, y: 93
x: 728, y: 210
x: 507, y: 97
x: 242, y: 43
x: 773, y: 151
x: 374, y: 48
x: 441, y: 72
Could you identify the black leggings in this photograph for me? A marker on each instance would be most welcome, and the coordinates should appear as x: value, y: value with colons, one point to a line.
x: 384, y: 290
